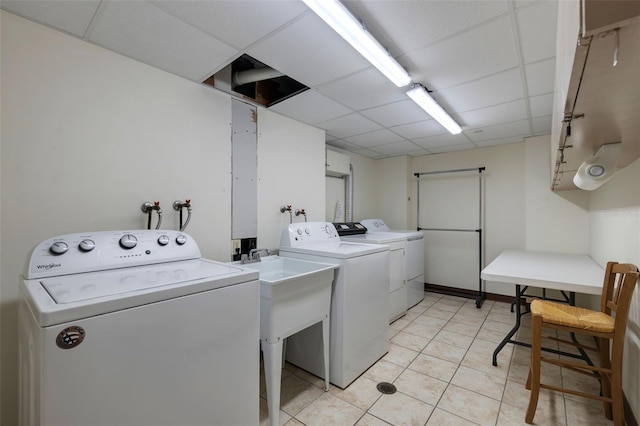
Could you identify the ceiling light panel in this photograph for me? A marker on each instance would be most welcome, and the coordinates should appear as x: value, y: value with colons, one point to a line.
x: 344, y: 23
x: 355, y: 90
x: 139, y: 30
x: 425, y: 101
x: 237, y: 23
x: 446, y: 63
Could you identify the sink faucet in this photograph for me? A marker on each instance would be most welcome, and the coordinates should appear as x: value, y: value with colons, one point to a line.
x: 254, y: 255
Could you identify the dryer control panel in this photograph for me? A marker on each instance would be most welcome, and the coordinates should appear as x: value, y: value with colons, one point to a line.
x: 103, y: 250
x: 304, y: 233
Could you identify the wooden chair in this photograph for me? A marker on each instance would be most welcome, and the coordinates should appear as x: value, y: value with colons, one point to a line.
x: 619, y: 282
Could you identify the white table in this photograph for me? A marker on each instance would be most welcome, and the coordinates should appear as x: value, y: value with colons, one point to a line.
x: 573, y: 273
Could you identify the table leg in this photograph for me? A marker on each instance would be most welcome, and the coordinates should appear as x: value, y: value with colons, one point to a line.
x: 513, y: 331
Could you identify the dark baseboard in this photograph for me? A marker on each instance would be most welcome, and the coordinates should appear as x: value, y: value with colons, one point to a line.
x: 468, y: 294
x: 472, y: 294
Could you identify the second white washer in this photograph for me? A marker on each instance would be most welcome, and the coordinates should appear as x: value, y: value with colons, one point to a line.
x: 359, y: 334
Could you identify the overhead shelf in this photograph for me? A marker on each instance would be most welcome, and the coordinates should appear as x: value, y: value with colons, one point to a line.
x: 596, y: 102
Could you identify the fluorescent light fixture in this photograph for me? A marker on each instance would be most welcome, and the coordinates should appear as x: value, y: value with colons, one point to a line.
x: 425, y: 101
x: 352, y: 30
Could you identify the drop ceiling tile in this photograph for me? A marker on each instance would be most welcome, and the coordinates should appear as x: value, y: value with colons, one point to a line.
x: 141, y: 31
x: 309, y: 51
x: 366, y: 152
x: 341, y: 143
x: 481, y: 51
x: 400, y: 148
x: 541, y: 104
x: 349, y: 125
x: 421, y: 129
x: 237, y: 23
x: 496, y: 114
x: 419, y: 23
x: 310, y: 107
x: 540, y: 77
x: 371, y: 139
x: 396, y: 114
x: 500, y: 131
x: 451, y: 148
x: 542, y: 125
x: 71, y: 16
x: 501, y: 141
x: 441, y: 141
x: 537, y: 25
x: 365, y: 89
x: 493, y: 90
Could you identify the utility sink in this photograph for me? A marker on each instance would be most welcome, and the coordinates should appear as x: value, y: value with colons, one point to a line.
x: 294, y: 294
x: 275, y: 270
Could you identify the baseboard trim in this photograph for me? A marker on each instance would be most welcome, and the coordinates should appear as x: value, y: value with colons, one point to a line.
x: 467, y: 294
x: 629, y: 417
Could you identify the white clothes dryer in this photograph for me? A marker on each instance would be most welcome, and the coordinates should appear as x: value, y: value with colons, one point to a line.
x: 359, y: 333
x: 415, y: 258
x: 135, y: 328
x: 397, y: 263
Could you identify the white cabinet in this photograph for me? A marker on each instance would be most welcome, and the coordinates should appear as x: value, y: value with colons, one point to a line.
x: 597, y: 100
x: 337, y: 164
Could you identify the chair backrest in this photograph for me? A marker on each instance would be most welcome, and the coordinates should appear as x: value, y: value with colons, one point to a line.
x: 619, y: 281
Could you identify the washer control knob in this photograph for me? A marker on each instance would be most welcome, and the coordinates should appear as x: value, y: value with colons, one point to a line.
x: 58, y: 248
x: 181, y: 240
x: 299, y: 231
x: 307, y: 231
x: 128, y: 241
x: 163, y: 240
x: 87, y: 245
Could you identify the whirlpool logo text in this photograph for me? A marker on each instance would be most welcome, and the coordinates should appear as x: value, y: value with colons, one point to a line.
x: 48, y: 266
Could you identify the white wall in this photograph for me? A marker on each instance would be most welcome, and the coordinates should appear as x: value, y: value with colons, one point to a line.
x: 392, y: 194
x: 451, y: 259
x: 288, y: 174
x: 615, y: 235
x: 88, y: 135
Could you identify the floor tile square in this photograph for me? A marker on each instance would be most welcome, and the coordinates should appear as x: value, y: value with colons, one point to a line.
x: 470, y: 405
x: 401, y: 409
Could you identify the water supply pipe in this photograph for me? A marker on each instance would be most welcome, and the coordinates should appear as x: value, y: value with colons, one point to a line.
x: 255, y: 74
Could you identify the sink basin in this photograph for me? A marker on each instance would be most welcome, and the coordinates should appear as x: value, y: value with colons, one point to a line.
x: 294, y: 294
x: 275, y: 269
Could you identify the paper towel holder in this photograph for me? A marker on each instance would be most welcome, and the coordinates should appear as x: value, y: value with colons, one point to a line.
x: 598, y: 169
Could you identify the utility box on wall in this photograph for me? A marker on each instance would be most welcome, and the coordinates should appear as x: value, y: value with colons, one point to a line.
x: 337, y: 164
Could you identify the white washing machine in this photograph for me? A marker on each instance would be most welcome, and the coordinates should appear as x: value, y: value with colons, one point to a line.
x: 135, y: 328
x: 397, y: 261
x: 359, y: 334
x: 415, y: 258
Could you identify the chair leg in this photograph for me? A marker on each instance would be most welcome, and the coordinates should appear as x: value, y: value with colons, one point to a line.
x: 533, y: 380
x: 605, y: 379
x: 616, y: 387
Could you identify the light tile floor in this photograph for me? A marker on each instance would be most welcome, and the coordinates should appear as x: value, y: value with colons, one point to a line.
x: 440, y: 361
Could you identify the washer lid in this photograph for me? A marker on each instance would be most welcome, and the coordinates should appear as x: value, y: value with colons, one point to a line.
x: 337, y: 249
x: 76, y: 288
x: 376, y: 237
x: 71, y: 297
